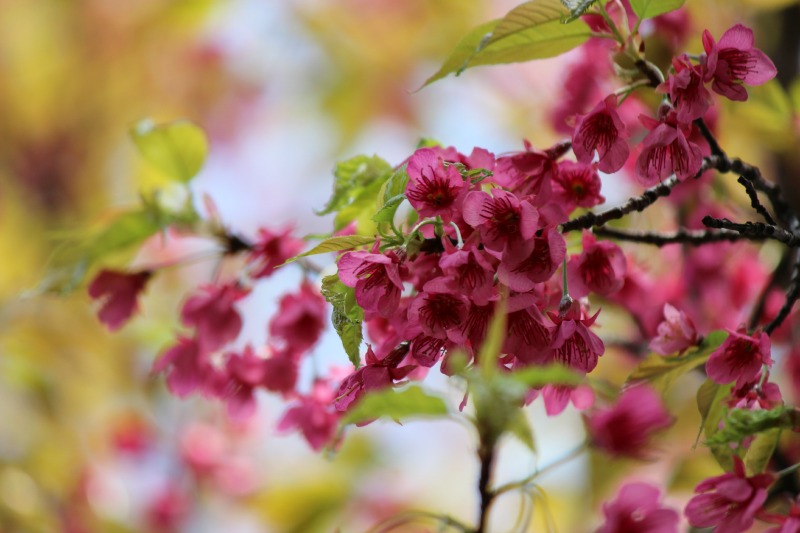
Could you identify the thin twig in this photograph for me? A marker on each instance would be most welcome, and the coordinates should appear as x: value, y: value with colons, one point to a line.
x: 709, y: 137
x: 792, y: 296
x: 486, y: 453
x: 755, y: 230
x: 681, y: 236
x: 755, y: 203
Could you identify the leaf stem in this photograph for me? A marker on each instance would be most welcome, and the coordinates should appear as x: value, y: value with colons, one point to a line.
x: 524, y: 483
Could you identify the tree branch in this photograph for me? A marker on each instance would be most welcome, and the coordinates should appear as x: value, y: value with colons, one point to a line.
x: 792, y: 296
x: 681, y: 236
x: 755, y: 230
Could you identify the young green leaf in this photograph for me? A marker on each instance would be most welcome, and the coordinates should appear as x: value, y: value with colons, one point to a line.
x: 646, y: 9
x: 347, y: 316
x: 741, y: 423
x: 539, y: 376
x: 76, y: 255
x: 178, y: 149
x: 402, y: 404
x: 662, y: 371
x: 533, y: 30
x: 760, y: 451
x: 576, y: 8
x: 336, y: 244
x: 351, y: 176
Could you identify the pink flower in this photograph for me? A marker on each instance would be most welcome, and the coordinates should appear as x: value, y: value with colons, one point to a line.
x: 686, y: 89
x: 117, y: 292
x: 637, y: 509
x: 528, y: 336
x: 502, y: 218
x: 187, y: 366
x: 557, y: 397
x: 433, y: 188
x: 603, y: 131
x: 574, y: 344
x: 733, y: 61
x: 730, y: 501
x: 522, y: 269
x: 755, y: 395
x: 739, y: 358
x: 272, y: 250
x: 212, y: 314
x: 376, y: 374
x: 468, y: 271
x: 600, y: 268
x: 376, y: 279
x: 666, y: 151
x: 577, y: 185
x: 625, y: 429
x: 300, y: 319
x: 168, y: 509
x: 675, y: 334
x: 437, y: 310
x: 526, y: 172
x: 313, y: 416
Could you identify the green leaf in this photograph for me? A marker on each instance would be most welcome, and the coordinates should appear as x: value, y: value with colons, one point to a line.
x: 410, y: 402
x: 539, y: 376
x: 178, y: 149
x: 532, y: 30
x: 335, y: 244
x: 74, y: 257
x: 662, y: 371
x: 520, y: 427
x: 495, y: 336
x: 387, y: 211
x: 646, y: 9
x: 706, y: 396
x: 351, y: 176
x: 576, y: 8
x: 760, y: 451
x: 741, y: 423
x: 347, y: 316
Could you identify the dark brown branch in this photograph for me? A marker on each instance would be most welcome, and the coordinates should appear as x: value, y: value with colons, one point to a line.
x: 791, y: 297
x: 637, y: 203
x: 486, y: 453
x: 710, y: 139
x: 755, y: 203
x: 755, y: 230
x: 681, y: 236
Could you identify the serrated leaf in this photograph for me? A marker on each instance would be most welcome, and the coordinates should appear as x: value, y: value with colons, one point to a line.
x: 347, y: 316
x: 178, y: 149
x: 335, y: 244
x: 760, y: 451
x: 532, y: 30
x: 360, y: 210
x: 706, y: 395
x: 351, y: 335
x: 386, y: 213
x: 661, y: 372
x: 410, y: 402
x: 646, y: 9
x: 350, y: 177
x: 576, y: 8
x: 741, y: 423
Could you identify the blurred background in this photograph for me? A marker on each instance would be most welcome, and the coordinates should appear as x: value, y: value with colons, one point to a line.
x: 90, y: 441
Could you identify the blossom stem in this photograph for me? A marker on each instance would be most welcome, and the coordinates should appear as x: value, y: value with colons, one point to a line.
x: 525, y: 483
x: 788, y: 470
x: 460, y: 244
x: 603, y: 13
x: 408, y: 517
